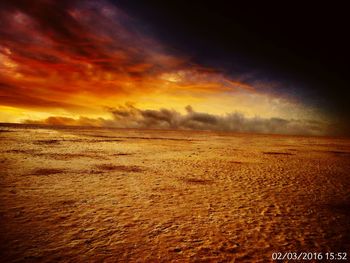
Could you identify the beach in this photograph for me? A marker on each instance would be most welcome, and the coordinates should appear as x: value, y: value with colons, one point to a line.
x: 79, y: 194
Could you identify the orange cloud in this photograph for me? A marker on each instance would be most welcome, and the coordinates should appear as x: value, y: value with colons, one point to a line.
x: 79, y: 57
x: 52, y: 51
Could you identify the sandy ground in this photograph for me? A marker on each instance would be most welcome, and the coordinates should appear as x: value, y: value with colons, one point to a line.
x: 109, y: 195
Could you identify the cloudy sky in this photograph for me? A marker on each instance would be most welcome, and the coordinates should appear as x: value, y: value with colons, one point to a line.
x: 169, y: 64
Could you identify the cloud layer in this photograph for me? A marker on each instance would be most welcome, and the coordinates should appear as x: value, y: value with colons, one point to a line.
x: 55, y: 54
x: 131, y: 117
x: 77, y: 57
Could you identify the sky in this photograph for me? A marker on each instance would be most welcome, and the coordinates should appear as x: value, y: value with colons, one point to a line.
x: 174, y: 65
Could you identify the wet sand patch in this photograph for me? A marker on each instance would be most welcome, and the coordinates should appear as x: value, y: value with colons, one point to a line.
x: 235, y: 162
x: 17, y: 151
x: 3, y: 131
x: 121, y: 154
x: 101, y: 136
x: 158, y: 138
x: 293, y: 150
x: 107, y: 140
x: 47, y: 171
x: 336, y: 152
x: 53, y: 142
x: 65, y: 203
x: 196, y: 181
x: 68, y: 156
x: 93, y: 140
x: 278, y: 153
x: 342, y: 207
x: 47, y: 142
x: 119, y: 168
x: 56, y: 156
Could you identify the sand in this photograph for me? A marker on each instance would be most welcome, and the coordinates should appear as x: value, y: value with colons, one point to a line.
x: 119, y: 195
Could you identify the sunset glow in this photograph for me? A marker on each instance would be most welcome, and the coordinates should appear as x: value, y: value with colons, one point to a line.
x: 80, y: 59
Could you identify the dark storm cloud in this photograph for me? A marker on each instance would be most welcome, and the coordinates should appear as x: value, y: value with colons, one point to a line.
x: 302, y: 47
x: 85, y: 30
x: 131, y: 117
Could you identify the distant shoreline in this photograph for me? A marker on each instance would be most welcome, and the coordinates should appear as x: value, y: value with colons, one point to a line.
x: 222, y: 133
